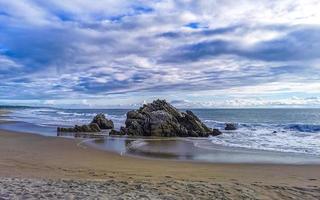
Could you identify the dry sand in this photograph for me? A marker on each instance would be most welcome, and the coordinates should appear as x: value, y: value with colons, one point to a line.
x: 33, y: 166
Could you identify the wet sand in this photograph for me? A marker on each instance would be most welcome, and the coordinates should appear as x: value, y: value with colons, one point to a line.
x: 50, y: 167
x: 197, y: 150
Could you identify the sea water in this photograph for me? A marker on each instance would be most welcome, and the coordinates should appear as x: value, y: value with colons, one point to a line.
x: 276, y: 130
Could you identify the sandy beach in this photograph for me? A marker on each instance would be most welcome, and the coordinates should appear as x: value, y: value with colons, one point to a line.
x: 34, y: 166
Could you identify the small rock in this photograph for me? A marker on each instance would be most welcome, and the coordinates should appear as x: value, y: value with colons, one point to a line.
x: 115, y: 132
x: 230, y: 127
x: 216, y: 132
x: 91, y: 128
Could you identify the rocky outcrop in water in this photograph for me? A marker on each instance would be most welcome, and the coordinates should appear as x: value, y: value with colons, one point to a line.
x: 91, y: 128
x: 159, y: 118
x: 215, y: 132
x: 99, y: 122
x: 102, y: 121
x: 115, y: 132
x: 230, y: 127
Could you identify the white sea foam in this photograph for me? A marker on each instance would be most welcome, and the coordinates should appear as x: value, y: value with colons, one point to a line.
x: 274, y: 138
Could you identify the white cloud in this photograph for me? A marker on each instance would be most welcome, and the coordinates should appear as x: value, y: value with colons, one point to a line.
x: 83, y: 49
x: 7, y: 63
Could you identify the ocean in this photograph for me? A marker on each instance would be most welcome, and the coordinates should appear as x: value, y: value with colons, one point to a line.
x: 276, y: 130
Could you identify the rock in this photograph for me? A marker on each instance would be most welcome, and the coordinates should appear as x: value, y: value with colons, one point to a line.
x: 216, y: 132
x: 62, y: 129
x: 99, y: 122
x: 103, y: 122
x: 94, y: 127
x: 91, y: 128
x: 80, y: 128
x: 161, y: 119
x: 230, y: 127
x: 115, y: 132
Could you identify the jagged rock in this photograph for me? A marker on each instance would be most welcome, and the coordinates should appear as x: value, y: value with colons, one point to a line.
x: 62, y: 129
x: 216, y: 132
x: 159, y: 118
x: 102, y: 122
x: 94, y: 127
x: 115, y: 132
x: 91, y: 128
x: 230, y: 127
x: 99, y: 122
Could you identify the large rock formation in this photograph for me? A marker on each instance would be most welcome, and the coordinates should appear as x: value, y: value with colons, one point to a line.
x: 162, y: 119
x: 103, y: 122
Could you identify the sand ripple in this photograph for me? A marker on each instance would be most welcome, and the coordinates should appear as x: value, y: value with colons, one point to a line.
x: 14, y: 188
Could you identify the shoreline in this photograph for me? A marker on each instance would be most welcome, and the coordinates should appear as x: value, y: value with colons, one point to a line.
x: 174, y: 149
x: 40, y: 160
x: 77, y: 145
x: 295, y: 138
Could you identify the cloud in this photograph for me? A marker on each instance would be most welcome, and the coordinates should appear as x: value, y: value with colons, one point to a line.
x: 298, y: 44
x: 250, y: 103
x: 8, y: 64
x: 83, y: 50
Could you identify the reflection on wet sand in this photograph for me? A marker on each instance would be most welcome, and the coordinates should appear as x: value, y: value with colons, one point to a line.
x: 174, y: 149
x: 192, y: 149
x: 83, y: 134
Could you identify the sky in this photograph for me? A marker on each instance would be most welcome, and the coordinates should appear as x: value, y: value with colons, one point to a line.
x: 194, y: 53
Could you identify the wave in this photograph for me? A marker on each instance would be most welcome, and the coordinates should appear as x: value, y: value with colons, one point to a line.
x: 76, y: 114
x: 51, y: 117
x: 291, y: 138
x: 272, y: 138
x: 310, y: 128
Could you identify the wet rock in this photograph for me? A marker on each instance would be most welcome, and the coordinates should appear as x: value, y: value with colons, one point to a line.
x: 94, y: 127
x: 99, y: 122
x: 115, y: 132
x: 159, y: 118
x: 230, y: 127
x: 216, y: 132
x: 103, y: 122
x: 91, y: 128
